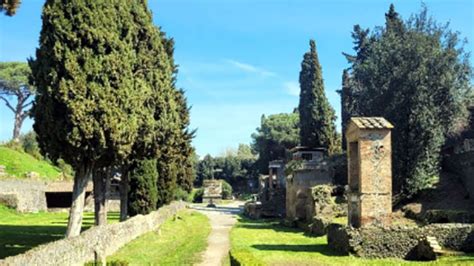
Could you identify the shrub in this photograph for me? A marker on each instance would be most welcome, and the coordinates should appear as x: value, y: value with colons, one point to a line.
x: 198, y: 193
x: 226, y: 190
x: 30, y: 145
x: 180, y: 194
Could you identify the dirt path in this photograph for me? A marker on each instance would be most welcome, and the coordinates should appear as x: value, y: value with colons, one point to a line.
x: 222, y: 218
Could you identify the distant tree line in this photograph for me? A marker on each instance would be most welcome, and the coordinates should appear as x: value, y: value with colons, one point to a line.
x: 235, y: 167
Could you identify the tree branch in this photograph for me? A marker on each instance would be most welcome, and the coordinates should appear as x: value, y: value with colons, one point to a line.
x: 28, y: 104
x: 7, y: 103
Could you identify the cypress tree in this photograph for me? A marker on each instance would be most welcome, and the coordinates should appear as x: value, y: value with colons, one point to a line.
x: 86, y: 107
x: 185, y: 152
x: 348, y: 108
x: 143, y: 195
x: 317, y: 117
x: 154, y: 74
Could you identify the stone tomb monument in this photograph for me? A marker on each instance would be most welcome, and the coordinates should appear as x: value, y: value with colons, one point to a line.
x: 369, y: 155
x: 212, y: 191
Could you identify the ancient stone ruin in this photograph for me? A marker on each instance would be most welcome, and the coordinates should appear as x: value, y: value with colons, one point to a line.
x: 212, y: 191
x: 370, y: 171
x: 270, y: 201
x: 310, y: 170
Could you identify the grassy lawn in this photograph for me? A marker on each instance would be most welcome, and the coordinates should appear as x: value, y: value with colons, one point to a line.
x: 19, y: 163
x: 178, y: 242
x: 21, y: 232
x: 268, y: 243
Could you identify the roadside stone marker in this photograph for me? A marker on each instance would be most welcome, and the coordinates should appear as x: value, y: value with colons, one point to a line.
x: 212, y: 191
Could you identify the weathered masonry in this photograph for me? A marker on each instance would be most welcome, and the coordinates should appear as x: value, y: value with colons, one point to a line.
x: 212, y: 191
x: 370, y: 171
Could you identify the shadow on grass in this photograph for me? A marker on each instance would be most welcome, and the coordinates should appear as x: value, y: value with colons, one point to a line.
x: 16, y: 239
x: 273, y: 224
x: 319, y: 248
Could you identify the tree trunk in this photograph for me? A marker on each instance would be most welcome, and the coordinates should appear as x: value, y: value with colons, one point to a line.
x: 100, y: 197
x: 17, y: 126
x: 78, y: 197
x: 124, y: 195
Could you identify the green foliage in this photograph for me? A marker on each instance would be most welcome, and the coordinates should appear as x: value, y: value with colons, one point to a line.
x: 274, y: 138
x: 205, y: 168
x: 9, y: 6
x: 226, y: 190
x: 19, y: 163
x: 236, y: 168
x: 66, y: 169
x: 292, y: 166
x: 89, y: 102
x: 178, y: 242
x: 180, y: 194
x: 317, y: 117
x: 14, y: 84
x: 30, y: 145
x: 416, y: 74
x: 143, y: 192
x: 197, y: 196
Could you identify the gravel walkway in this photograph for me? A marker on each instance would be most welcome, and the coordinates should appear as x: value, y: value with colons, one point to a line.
x: 222, y: 218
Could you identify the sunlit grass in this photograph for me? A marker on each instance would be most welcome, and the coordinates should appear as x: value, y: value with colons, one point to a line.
x: 179, y: 241
x: 269, y: 243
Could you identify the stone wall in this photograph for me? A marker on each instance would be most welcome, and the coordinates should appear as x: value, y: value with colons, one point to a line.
x: 97, y: 242
x: 299, y: 198
x: 398, y: 241
x: 24, y: 196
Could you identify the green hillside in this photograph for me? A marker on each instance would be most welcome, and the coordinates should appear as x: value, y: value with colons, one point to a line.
x: 19, y: 163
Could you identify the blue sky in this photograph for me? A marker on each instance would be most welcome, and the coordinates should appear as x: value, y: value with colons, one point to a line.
x: 241, y: 59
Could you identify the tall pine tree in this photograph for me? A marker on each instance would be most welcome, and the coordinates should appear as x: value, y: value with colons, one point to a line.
x: 317, y: 117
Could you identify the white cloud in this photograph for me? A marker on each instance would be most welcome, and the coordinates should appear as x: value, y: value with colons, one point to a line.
x: 250, y: 68
x: 292, y: 88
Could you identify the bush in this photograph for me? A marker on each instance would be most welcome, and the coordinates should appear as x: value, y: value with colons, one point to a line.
x: 226, y: 190
x: 30, y: 145
x: 66, y: 169
x: 198, y: 193
x: 180, y: 194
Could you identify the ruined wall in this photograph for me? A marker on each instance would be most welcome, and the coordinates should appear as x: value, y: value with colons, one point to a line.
x: 23, y: 195
x: 398, y: 241
x: 299, y: 198
x: 97, y: 242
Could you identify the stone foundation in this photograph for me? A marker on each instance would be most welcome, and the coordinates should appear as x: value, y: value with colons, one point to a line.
x: 398, y: 241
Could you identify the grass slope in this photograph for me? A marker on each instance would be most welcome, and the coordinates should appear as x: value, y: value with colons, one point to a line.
x: 268, y: 243
x: 20, y: 232
x: 19, y: 163
x: 178, y: 242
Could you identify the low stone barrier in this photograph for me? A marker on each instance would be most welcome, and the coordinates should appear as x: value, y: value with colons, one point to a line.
x: 96, y: 243
x: 398, y: 241
x: 23, y: 195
